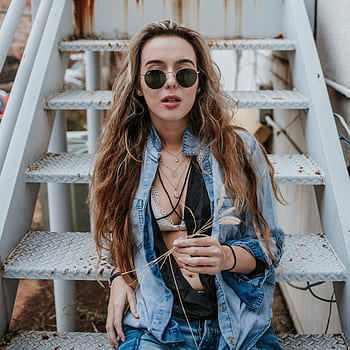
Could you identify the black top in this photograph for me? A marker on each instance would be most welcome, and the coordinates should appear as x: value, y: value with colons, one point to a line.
x: 199, y: 305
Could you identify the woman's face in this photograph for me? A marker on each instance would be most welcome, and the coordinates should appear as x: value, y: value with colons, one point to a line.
x: 171, y: 103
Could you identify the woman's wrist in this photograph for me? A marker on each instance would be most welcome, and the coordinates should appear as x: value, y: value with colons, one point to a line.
x: 230, y: 258
x: 113, y: 276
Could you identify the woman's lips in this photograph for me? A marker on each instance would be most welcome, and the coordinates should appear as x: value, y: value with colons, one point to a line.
x: 171, y: 101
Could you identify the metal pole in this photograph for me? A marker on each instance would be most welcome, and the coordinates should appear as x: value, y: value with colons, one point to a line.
x: 9, y: 26
x: 94, y: 117
x: 345, y: 91
x: 60, y: 213
x: 14, y: 104
x: 34, y: 8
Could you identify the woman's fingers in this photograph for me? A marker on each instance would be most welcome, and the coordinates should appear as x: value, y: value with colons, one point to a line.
x: 192, y: 242
x: 121, y: 298
x: 118, y: 318
x: 200, y: 255
x: 111, y: 334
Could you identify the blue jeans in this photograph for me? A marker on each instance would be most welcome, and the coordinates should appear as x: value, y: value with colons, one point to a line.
x: 268, y: 341
x: 205, y: 333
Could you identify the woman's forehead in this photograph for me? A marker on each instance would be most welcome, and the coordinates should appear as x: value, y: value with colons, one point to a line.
x: 167, y: 49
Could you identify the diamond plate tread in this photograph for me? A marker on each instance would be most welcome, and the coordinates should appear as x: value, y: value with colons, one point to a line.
x: 71, y: 256
x: 297, y: 169
x: 79, y: 99
x: 269, y: 99
x: 309, y: 257
x: 42, y: 340
x: 76, y: 168
x: 52, y: 255
x: 102, y: 99
x: 313, y: 342
x: 60, y: 168
x: 239, y: 44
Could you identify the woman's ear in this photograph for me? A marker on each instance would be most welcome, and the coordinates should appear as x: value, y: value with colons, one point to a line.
x: 139, y: 92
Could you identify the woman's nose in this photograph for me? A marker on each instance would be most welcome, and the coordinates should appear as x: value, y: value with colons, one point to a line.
x: 170, y: 79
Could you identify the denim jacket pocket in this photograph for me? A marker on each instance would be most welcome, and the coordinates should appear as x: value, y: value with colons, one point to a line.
x: 249, y: 289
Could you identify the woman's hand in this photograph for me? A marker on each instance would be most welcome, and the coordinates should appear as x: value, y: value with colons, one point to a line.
x: 207, y: 255
x: 121, y: 298
x: 203, y: 255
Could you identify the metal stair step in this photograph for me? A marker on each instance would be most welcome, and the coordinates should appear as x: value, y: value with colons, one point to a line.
x: 239, y: 44
x: 76, y: 168
x: 102, y: 99
x: 72, y: 256
x: 42, y: 340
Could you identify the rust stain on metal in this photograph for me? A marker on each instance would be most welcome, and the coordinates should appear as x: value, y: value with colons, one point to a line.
x: 178, y: 7
x: 238, y: 18
x: 226, y: 14
x: 33, y: 168
x: 84, y: 17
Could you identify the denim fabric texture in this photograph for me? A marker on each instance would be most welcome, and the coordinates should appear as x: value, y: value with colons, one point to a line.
x: 199, y: 335
x: 244, y: 302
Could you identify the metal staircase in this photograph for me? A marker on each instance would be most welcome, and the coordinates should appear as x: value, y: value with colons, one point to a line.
x: 65, y: 256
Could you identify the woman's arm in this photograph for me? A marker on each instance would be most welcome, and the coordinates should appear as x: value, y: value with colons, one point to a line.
x: 121, y: 297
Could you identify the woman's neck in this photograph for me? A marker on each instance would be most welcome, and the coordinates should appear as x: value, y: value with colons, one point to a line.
x: 171, y: 136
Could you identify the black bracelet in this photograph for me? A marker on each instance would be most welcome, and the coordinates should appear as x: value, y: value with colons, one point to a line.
x: 115, y: 275
x: 234, y: 256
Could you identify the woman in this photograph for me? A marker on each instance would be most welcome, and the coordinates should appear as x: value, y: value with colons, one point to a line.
x: 183, y: 201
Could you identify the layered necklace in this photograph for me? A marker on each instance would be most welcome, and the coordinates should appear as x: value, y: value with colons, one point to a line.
x: 177, y: 192
x: 174, y: 173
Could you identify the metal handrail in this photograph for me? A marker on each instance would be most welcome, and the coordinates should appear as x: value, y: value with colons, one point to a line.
x: 14, y: 104
x: 8, y: 28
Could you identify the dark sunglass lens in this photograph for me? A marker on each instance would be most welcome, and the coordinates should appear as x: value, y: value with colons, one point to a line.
x: 186, y: 77
x: 155, y: 79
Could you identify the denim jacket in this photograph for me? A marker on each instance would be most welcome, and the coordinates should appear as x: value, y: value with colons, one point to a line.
x: 244, y: 302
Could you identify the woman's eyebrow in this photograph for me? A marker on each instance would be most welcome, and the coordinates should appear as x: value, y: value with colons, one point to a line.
x: 183, y: 60
x: 186, y: 60
x: 153, y: 62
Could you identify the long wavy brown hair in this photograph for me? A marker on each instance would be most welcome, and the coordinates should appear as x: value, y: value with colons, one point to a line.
x: 118, y: 163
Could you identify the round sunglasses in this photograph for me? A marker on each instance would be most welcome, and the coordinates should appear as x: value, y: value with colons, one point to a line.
x: 156, y: 78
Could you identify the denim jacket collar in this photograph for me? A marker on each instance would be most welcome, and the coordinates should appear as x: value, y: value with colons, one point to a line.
x: 191, y: 144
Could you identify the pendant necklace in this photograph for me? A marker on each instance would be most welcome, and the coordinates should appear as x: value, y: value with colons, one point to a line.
x: 173, y: 172
x: 176, y: 194
x: 176, y: 156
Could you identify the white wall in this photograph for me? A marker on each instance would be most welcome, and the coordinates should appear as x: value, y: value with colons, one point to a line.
x: 333, y: 43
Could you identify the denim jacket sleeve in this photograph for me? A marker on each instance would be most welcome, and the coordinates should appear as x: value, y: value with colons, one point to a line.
x: 250, y: 288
